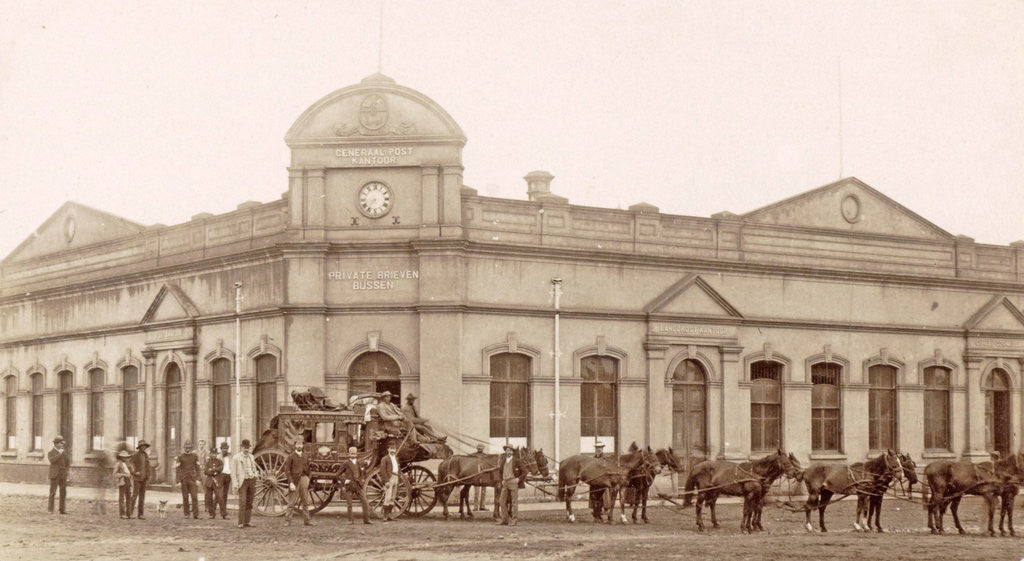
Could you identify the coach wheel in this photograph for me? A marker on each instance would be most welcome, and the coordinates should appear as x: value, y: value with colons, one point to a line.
x: 373, y: 489
x: 270, y: 496
x: 320, y: 495
x: 422, y: 497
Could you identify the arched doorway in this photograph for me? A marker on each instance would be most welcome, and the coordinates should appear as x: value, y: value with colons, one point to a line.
x: 689, y: 410
x: 997, y: 412
x: 172, y: 430
x: 375, y: 371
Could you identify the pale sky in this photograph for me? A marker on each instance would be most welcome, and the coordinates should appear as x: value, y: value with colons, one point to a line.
x: 158, y: 112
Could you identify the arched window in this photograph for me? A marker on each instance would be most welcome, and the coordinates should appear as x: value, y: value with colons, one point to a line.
x: 689, y: 404
x: 11, y: 406
x: 374, y: 372
x: 765, y: 405
x: 882, y: 428
x: 266, y: 391
x: 130, y: 405
x: 66, y: 382
x: 37, y: 411
x: 997, y: 412
x: 599, y: 401
x: 96, y: 409
x: 825, y: 416
x: 221, y: 401
x: 172, y: 389
x: 936, y: 408
x: 510, y: 399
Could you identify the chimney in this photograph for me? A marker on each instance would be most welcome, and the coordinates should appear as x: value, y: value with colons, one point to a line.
x: 538, y: 184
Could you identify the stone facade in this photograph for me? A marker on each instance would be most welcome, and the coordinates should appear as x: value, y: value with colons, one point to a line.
x: 431, y: 281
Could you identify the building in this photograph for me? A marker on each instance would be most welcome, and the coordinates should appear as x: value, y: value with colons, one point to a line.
x: 833, y: 324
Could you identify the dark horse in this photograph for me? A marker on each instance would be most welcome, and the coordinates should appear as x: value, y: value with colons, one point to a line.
x: 750, y: 480
x: 869, y: 501
x: 641, y: 480
x: 481, y: 471
x: 950, y: 481
x: 605, y: 476
x: 825, y: 480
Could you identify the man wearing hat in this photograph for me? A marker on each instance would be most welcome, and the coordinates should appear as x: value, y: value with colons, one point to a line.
x: 139, y: 464
x: 243, y: 478
x: 481, y: 491
x: 511, y: 472
x: 213, y: 467
x: 123, y: 478
x: 351, y: 477
x: 187, y: 464
x: 389, y: 471
x: 59, y: 465
x: 422, y: 425
x: 296, y: 468
x: 599, y: 450
x: 224, y: 480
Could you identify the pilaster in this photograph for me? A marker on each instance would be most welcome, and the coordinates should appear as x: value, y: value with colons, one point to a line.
x: 974, y: 444
x: 735, y: 406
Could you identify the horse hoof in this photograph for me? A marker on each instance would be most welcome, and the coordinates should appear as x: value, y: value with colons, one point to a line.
x: 646, y: 521
x: 961, y: 531
x: 715, y: 525
x: 809, y: 527
x: 623, y: 518
x: 857, y: 527
x: 881, y: 531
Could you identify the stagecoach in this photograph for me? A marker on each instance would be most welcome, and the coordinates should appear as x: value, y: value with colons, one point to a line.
x: 327, y: 430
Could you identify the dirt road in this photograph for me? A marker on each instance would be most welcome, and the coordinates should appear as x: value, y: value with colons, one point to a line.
x: 29, y: 533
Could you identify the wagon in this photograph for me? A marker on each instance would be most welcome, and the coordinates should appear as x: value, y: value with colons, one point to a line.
x: 327, y: 431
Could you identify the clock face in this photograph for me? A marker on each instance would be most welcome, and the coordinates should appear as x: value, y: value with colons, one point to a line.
x: 375, y: 199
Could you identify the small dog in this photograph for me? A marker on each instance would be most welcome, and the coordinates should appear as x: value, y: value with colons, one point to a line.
x: 161, y: 509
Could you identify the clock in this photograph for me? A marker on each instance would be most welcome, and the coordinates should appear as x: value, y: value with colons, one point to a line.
x: 375, y: 199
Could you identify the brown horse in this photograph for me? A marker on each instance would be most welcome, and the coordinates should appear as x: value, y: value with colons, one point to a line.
x: 641, y: 480
x: 949, y: 481
x: 481, y: 471
x: 750, y: 480
x: 869, y: 501
x: 605, y: 476
x: 825, y: 480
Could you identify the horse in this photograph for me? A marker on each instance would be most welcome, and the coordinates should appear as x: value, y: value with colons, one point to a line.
x: 641, y: 481
x: 825, y: 480
x: 1007, y: 495
x: 869, y: 501
x: 750, y: 480
x: 949, y: 481
x: 605, y: 476
x: 480, y: 470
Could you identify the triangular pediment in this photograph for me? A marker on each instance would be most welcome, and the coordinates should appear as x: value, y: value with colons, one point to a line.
x: 169, y: 304
x: 692, y: 296
x: 998, y: 314
x: 72, y: 226
x: 849, y: 205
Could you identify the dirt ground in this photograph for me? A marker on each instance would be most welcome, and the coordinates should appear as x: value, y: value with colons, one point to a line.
x: 27, y: 532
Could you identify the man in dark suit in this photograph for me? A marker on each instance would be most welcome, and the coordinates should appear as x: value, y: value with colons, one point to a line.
x: 59, y: 465
x: 214, y: 491
x: 187, y: 464
x: 511, y: 472
x: 350, y: 479
x: 139, y: 465
x: 296, y: 467
x: 389, y: 470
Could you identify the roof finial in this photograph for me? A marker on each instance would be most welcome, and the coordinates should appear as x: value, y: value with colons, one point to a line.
x: 839, y: 83
x: 380, y: 40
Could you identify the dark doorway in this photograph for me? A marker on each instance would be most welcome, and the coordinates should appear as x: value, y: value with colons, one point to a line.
x: 997, y: 413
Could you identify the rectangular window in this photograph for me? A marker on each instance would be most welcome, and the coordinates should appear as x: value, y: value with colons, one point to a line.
x: 11, y: 405
x: 65, y: 423
x: 96, y: 409
x: 510, y: 397
x: 598, y: 400
x: 37, y: 412
x: 936, y: 408
x: 266, y: 390
x: 765, y: 406
x: 825, y: 406
x: 882, y: 407
x: 130, y: 405
x: 222, y: 394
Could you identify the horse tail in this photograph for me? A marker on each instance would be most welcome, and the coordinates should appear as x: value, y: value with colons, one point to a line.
x: 691, y: 484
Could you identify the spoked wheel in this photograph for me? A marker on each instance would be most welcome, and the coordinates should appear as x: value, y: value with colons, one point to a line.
x: 373, y: 488
x: 270, y: 496
x: 320, y: 493
x: 422, y: 497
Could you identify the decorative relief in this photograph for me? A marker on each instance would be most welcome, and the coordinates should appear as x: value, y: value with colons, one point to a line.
x: 373, y: 120
x: 850, y: 207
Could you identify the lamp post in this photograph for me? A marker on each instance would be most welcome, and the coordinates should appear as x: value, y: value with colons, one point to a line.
x: 238, y: 355
x: 556, y: 289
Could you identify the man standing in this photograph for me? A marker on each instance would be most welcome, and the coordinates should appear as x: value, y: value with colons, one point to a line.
x: 213, y: 491
x: 389, y: 471
x: 296, y: 467
x: 351, y: 478
x: 481, y: 491
x: 224, y: 480
x: 123, y: 476
x: 187, y: 464
x: 202, y: 454
x: 243, y: 477
x: 508, y: 500
x: 139, y: 465
x: 59, y: 465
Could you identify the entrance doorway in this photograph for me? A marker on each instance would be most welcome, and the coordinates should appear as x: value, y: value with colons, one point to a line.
x: 997, y: 413
x: 375, y: 372
x: 173, y: 438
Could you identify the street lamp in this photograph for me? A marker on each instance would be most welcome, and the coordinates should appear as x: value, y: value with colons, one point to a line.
x: 238, y: 357
x: 556, y: 289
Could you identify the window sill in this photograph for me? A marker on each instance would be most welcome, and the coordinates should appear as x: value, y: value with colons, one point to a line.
x: 937, y: 455
x: 9, y: 454
x: 828, y: 456
x: 94, y: 455
x: 38, y: 454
